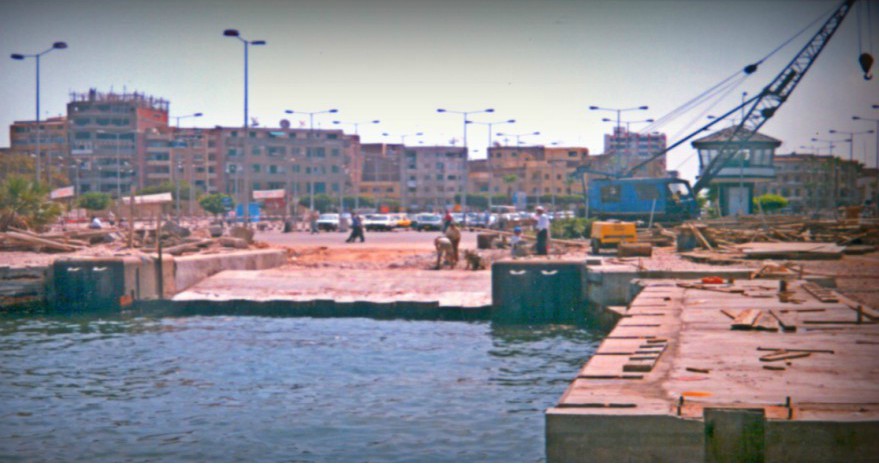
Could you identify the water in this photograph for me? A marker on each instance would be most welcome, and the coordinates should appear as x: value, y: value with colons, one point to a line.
x: 128, y: 388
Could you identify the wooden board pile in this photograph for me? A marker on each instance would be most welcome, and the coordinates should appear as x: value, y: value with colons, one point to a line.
x: 720, y: 232
x: 60, y: 242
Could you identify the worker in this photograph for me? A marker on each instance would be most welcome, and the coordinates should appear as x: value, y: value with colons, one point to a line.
x: 516, y: 245
x: 542, y: 227
x: 313, y: 219
x: 356, y: 229
x: 96, y: 223
x: 454, y: 236
x: 444, y: 251
x: 447, y: 220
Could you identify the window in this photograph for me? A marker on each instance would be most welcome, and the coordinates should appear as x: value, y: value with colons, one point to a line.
x: 332, y: 136
x: 273, y: 169
x: 334, y: 152
x: 646, y: 192
x: 255, y: 168
x: 610, y: 194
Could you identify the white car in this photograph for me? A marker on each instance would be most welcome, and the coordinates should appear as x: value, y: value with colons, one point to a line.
x: 379, y: 222
x: 328, y: 222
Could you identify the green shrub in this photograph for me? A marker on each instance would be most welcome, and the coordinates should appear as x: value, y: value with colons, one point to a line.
x: 573, y: 228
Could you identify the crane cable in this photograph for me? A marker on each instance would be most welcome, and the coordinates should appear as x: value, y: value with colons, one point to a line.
x: 717, y: 88
x: 865, y: 59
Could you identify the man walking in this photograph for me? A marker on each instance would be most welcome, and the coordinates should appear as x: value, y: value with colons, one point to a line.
x: 356, y: 228
x: 542, y: 227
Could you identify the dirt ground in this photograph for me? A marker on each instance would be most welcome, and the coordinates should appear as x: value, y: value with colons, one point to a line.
x: 857, y: 276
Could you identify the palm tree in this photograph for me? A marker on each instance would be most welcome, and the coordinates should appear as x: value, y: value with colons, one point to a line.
x: 24, y: 203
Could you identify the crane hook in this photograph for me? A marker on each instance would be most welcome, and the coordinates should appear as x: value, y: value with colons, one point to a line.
x: 866, y: 62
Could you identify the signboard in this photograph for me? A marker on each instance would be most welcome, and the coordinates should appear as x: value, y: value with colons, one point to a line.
x: 63, y: 192
x: 520, y: 200
x: 149, y: 199
x: 268, y: 194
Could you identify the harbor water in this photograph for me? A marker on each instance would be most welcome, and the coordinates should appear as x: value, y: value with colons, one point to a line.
x: 220, y: 388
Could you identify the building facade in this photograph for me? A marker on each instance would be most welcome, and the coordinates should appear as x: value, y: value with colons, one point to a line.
x: 814, y: 183
x: 52, y: 148
x: 432, y: 176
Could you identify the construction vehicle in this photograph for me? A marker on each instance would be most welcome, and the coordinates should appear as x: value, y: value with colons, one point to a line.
x: 625, y: 202
x: 611, y: 234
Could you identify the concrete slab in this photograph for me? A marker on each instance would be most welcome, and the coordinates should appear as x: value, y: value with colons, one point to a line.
x: 447, y: 289
x: 828, y: 389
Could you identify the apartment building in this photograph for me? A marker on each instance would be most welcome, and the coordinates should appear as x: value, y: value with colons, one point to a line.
x: 432, y: 176
x: 812, y: 182
x: 380, y: 172
x: 48, y: 140
x: 626, y: 146
x: 106, y: 134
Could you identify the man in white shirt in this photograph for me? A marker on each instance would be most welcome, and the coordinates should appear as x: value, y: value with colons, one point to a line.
x: 542, y: 227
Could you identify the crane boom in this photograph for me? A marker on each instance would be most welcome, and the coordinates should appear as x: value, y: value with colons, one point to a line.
x: 770, y: 99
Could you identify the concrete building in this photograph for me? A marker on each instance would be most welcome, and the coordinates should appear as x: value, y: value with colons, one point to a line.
x: 106, y: 133
x: 868, y: 185
x: 629, y: 146
x: 813, y: 183
x: 738, y: 178
x: 52, y: 147
x: 432, y: 176
x: 380, y: 173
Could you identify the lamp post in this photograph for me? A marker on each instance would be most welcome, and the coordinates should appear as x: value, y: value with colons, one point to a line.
x: 619, y: 112
x: 876, y: 120
x: 247, y: 44
x: 178, y: 172
x: 357, y: 124
x: 518, y: 136
x: 466, y: 150
x: 309, y: 151
x: 488, y: 150
x: 193, y: 115
x: 851, y: 141
x: 36, y: 56
x: 830, y: 145
x: 629, y: 123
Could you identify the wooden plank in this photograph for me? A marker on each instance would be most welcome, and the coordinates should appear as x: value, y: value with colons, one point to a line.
x: 794, y: 350
x: 40, y: 242
x: 820, y: 293
x: 786, y: 324
x: 765, y: 322
x: 783, y: 355
x: 745, y: 319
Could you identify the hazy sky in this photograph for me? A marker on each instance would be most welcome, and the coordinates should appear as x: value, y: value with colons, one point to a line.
x: 542, y: 63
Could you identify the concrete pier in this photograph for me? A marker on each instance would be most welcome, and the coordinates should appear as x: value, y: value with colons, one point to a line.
x: 674, y: 382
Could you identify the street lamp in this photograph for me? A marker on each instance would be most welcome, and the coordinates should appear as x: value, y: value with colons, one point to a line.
x: 247, y: 44
x: 618, y: 111
x: 876, y: 120
x: 851, y: 141
x: 830, y: 145
x: 308, y: 149
x: 193, y: 115
x: 36, y: 56
x: 488, y: 150
x: 628, y: 123
x: 357, y: 124
x: 518, y: 136
x: 466, y: 152
x: 403, y: 136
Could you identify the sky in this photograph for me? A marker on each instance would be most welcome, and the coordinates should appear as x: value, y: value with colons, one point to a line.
x: 542, y: 63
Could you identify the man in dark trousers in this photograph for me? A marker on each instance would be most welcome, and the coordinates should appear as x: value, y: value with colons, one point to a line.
x: 542, y: 227
x: 356, y: 229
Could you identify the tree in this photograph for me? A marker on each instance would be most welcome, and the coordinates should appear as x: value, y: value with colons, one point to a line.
x: 168, y: 187
x: 24, y: 203
x: 770, y: 202
x: 94, y: 201
x: 510, y: 179
x: 213, y: 203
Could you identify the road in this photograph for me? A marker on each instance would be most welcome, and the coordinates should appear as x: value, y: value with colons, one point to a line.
x: 397, y: 239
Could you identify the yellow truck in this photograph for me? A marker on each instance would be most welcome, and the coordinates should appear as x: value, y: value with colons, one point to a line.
x: 611, y: 234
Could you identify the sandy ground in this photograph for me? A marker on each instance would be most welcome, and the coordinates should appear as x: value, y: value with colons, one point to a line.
x: 857, y: 276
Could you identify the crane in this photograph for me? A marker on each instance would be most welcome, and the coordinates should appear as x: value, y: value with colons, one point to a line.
x: 615, y: 196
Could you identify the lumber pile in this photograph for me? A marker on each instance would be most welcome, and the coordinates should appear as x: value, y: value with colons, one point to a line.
x: 775, y: 229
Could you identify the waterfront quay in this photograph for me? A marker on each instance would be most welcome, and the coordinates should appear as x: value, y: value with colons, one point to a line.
x: 675, y: 380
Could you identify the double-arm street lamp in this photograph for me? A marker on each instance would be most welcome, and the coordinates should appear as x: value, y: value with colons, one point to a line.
x: 876, y: 120
x: 36, y: 56
x: 356, y: 124
x: 193, y: 115
x: 247, y: 44
x: 488, y: 150
x: 309, y: 151
x: 466, y: 150
x: 619, y: 112
x: 628, y: 123
x: 517, y: 136
x: 830, y: 145
x: 851, y: 141
x: 403, y: 136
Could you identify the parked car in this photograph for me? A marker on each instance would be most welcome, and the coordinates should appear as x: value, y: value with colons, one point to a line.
x: 328, y: 222
x: 403, y: 220
x: 384, y: 222
x: 427, y: 221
